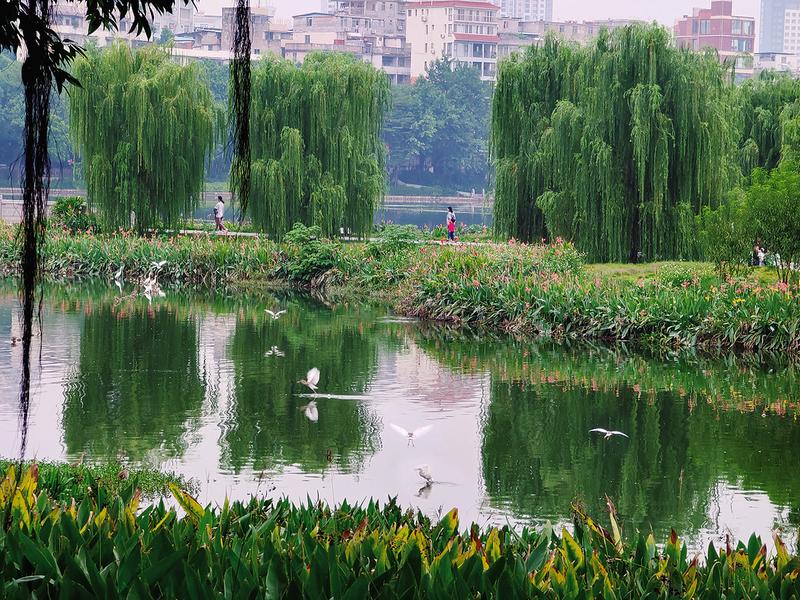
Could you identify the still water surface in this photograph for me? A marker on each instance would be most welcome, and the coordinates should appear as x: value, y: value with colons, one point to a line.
x: 186, y: 384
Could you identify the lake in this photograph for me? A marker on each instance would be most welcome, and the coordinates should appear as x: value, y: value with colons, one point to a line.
x: 205, y: 385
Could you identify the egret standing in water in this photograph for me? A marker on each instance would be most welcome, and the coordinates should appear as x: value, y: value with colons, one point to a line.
x: 411, y: 436
x: 607, y: 434
x: 311, y: 380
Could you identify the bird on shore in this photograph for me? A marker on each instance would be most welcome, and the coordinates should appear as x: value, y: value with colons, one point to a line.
x: 424, y: 471
x: 118, y: 273
x: 312, y: 379
x: 310, y: 411
x: 275, y: 315
x: 411, y: 436
x: 607, y: 434
x: 275, y: 351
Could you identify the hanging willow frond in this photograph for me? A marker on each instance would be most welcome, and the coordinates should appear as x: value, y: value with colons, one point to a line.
x: 317, y: 157
x: 612, y: 145
x: 145, y: 127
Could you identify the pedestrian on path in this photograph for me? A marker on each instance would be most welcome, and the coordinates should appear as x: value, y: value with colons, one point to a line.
x: 451, y: 224
x: 219, y: 213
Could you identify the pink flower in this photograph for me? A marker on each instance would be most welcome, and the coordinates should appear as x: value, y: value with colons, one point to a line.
x: 476, y: 283
x: 640, y: 283
x: 559, y: 240
x: 685, y: 284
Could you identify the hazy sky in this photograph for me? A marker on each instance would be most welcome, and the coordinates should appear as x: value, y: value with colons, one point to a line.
x: 664, y: 11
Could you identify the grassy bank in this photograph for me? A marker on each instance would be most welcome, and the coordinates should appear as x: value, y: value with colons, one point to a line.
x: 541, y: 291
x: 111, y: 549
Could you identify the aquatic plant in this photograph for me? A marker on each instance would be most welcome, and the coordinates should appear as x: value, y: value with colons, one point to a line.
x: 108, y: 547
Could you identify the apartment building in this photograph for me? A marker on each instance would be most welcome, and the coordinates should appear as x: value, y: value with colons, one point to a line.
x: 365, y: 38
x: 388, y: 14
x: 266, y: 34
x: 464, y: 30
x: 517, y: 34
x: 716, y: 27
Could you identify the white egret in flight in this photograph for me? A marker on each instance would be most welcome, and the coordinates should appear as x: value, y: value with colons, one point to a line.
x: 274, y: 351
x: 275, y: 315
x: 311, y: 380
x: 411, y: 436
x: 607, y: 434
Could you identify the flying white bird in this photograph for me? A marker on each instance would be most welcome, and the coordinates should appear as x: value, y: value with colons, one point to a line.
x: 411, y: 436
x: 607, y: 434
x: 311, y: 412
x: 274, y: 351
x: 311, y: 380
x: 275, y: 315
x: 424, y: 471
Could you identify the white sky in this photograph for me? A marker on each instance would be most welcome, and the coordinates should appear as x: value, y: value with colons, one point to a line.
x: 664, y: 11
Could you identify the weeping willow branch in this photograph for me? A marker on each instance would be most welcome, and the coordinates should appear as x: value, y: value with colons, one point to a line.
x: 240, y: 106
x: 315, y: 140
x: 145, y: 127
x: 37, y: 81
x: 615, y: 146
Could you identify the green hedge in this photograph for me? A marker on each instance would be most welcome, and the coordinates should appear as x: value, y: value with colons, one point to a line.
x: 108, y: 547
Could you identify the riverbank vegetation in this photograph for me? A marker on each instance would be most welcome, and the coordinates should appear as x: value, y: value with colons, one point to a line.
x: 536, y: 290
x: 110, y: 546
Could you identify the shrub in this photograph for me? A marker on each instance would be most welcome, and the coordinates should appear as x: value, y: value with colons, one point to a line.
x: 392, y: 240
x: 71, y: 212
x: 725, y: 238
x: 677, y: 274
x: 308, y: 255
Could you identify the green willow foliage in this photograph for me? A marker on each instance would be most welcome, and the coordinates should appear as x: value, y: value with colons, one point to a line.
x: 767, y: 105
x: 145, y: 127
x: 317, y: 157
x: 615, y: 146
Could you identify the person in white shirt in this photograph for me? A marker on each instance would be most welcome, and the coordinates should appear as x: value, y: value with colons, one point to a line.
x: 219, y: 212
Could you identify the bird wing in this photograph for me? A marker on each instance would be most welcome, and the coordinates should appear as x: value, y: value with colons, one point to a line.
x: 399, y: 429
x: 270, y: 313
x: 598, y: 430
x: 418, y: 433
x: 312, y: 376
x: 620, y: 433
x: 280, y: 312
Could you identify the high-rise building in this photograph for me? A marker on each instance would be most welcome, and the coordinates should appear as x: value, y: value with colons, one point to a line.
x: 527, y: 10
x: 772, y: 25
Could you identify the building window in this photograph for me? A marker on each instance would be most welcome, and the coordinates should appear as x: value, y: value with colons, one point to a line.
x: 308, y: 39
x: 705, y: 26
x: 309, y: 21
x: 736, y: 27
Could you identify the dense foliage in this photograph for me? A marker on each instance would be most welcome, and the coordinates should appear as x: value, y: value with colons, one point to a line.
x: 145, y: 127
x: 614, y: 146
x: 437, y: 131
x: 316, y: 152
x: 109, y: 548
x: 71, y: 213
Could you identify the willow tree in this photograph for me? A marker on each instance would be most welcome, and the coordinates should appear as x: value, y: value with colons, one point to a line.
x: 144, y: 126
x: 316, y: 153
x: 615, y: 146
x: 765, y: 105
